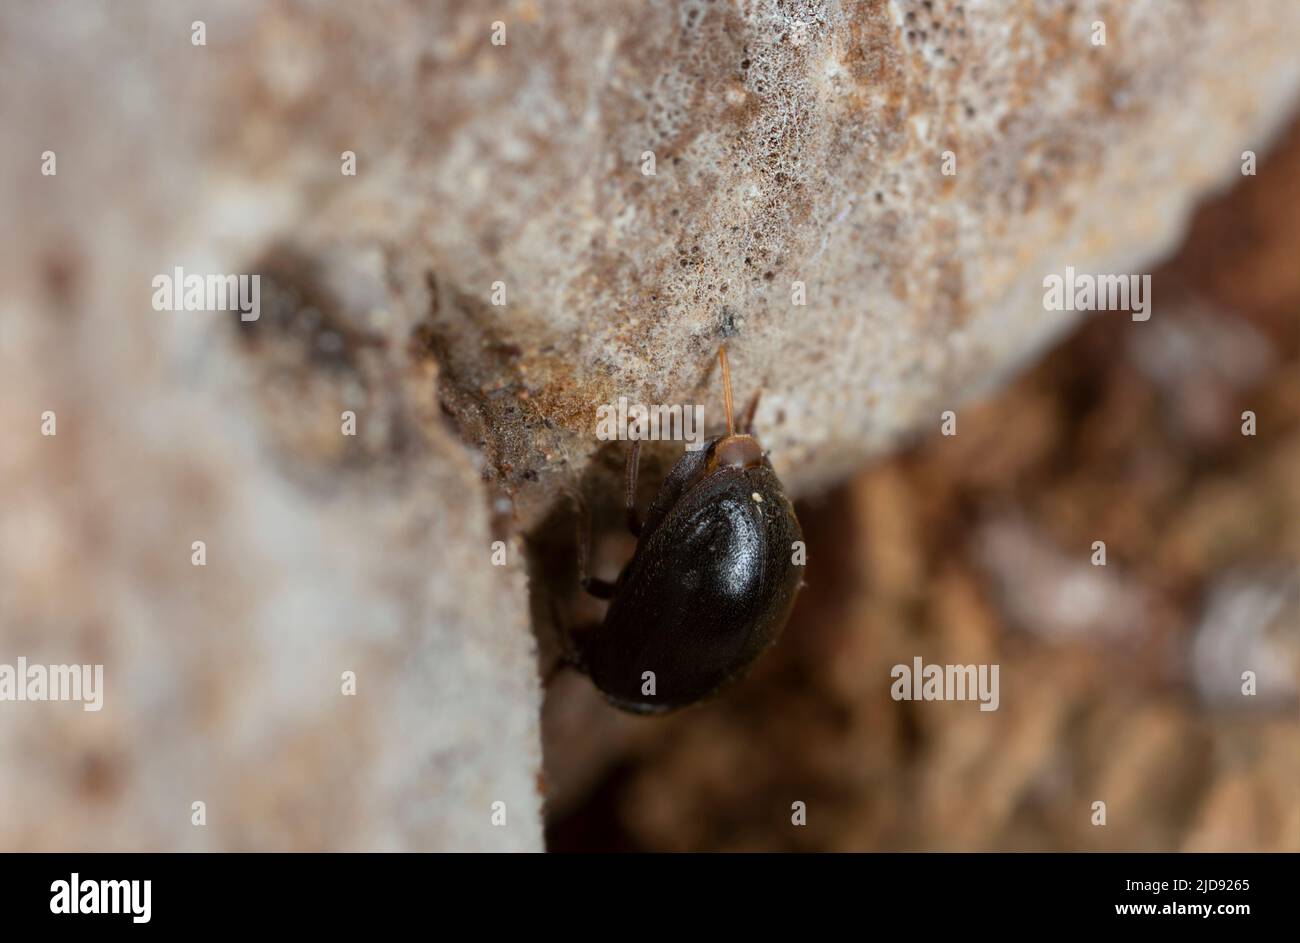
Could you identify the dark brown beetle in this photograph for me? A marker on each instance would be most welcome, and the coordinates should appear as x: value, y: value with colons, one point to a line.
x: 711, y: 583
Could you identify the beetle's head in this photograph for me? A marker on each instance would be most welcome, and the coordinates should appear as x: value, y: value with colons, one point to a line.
x: 738, y: 451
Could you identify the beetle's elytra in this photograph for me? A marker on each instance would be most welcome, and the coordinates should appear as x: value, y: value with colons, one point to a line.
x: 711, y: 583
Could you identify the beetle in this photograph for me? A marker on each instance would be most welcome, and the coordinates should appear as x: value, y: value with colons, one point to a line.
x: 710, y: 585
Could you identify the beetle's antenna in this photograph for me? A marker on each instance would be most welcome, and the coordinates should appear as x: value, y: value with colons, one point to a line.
x: 726, y: 387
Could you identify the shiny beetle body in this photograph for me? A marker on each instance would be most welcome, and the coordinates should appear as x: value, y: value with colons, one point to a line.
x: 711, y: 583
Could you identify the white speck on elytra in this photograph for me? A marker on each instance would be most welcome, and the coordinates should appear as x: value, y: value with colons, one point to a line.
x: 757, y: 497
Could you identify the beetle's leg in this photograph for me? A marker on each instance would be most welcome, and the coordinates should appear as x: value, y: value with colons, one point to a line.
x: 601, y: 589
x: 560, y: 664
x: 633, y: 466
x: 570, y: 651
x: 747, y: 424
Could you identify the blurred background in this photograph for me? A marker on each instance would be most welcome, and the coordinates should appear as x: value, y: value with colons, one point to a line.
x: 1119, y: 683
x: 383, y: 167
